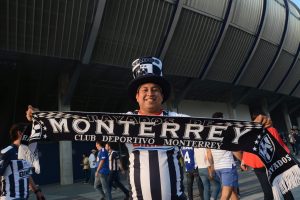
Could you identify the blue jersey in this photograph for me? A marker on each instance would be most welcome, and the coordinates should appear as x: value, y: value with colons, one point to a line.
x: 188, y: 156
x: 103, y: 155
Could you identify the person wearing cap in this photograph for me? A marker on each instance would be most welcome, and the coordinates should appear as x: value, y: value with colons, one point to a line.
x: 93, y: 165
x: 154, y: 171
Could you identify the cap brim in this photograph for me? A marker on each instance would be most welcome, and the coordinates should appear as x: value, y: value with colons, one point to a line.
x: 135, y: 83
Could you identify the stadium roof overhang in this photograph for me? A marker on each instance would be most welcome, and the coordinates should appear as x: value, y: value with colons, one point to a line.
x: 240, y: 52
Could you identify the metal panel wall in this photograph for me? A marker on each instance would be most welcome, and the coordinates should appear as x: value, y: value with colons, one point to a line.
x: 259, y: 64
x: 215, y: 8
x: 191, y: 44
x: 234, y: 50
x: 293, y: 35
x: 274, y: 22
x: 130, y: 29
x: 280, y: 69
x: 51, y: 28
x: 291, y: 80
x: 296, y: 93
x: 247, y: 14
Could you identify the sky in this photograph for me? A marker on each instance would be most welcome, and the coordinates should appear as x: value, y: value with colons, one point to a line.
x: 297, y: 2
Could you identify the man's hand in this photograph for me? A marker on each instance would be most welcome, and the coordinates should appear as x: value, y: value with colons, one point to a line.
x: 244, y: 167
x: 211, y: 172
x: 29, y: 112
x: 264, y: 120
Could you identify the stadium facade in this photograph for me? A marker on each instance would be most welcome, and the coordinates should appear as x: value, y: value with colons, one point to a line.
x: 220, y: 55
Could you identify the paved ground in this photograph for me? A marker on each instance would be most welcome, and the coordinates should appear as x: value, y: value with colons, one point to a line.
x: 249, y: 190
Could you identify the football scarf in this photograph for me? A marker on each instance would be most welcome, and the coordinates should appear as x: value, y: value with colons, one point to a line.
x: 232, y: 135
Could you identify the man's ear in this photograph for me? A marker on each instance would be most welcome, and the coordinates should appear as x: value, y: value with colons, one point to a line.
x: 20, y: 133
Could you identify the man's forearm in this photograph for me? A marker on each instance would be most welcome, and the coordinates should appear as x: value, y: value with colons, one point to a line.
x: 100, y: 166
x: 32, y: 185
x: 238, y: 155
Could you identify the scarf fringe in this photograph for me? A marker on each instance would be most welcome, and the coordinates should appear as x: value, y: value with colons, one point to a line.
x: 286, y: 181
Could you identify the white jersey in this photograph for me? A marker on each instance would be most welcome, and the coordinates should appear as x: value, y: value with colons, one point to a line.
x: 30, y: 153
x: 154, y: 171
x: 222, y: 159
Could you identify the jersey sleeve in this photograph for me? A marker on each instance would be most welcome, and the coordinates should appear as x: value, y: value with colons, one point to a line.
x: 5, y: 159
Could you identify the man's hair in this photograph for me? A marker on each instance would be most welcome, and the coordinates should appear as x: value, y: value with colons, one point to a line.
x: 13, y: 132
x: 113, y: 145
x: 217, y: 115
x: 255, y: 113
x: 101, y: 143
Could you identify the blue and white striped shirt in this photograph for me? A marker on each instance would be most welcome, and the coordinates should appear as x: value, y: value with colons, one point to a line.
x: 15, y: 179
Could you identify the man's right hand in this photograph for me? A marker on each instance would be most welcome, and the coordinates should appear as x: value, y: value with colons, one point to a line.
x: 29, y: 111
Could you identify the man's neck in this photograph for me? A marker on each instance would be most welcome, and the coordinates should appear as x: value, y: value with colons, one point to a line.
x: 17, y: 142
x: 150, y: 112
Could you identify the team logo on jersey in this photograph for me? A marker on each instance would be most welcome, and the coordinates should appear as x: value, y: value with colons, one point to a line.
x: 266, y: 148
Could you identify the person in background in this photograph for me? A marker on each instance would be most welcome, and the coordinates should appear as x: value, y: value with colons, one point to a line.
x: 292, y: 141
x: 191, y: 172
x: 29, y: 151
x: 93, y: 165
x: 211, y: 184
x: 252, y: 160
x: 85, y: 167
x: 294, y: 131
x: 223, y: 164
x: 114, y: 167
x: 102, y: 172
x: 16, y: 173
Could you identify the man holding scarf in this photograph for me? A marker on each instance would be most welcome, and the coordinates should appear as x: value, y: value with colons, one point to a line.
x: 154, y: 171
x: 153, y: 136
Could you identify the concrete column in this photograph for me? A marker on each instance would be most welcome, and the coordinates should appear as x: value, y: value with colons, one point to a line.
x: 286, y: 116
x: 231, y: 111
x: 65, y: 147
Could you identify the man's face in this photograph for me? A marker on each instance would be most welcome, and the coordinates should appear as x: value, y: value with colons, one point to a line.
x: 149, y: 97
x: 107, y: 147
x: 98, y: 146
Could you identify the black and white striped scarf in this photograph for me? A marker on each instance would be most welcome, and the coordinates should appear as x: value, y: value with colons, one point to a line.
x: 232, y: 135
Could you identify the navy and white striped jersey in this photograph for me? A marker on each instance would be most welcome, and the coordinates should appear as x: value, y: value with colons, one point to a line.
x: 154, y: 171
x: 114, y: 161
x: 15, y: 179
